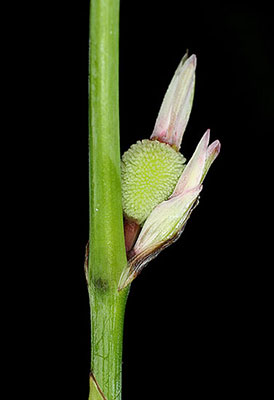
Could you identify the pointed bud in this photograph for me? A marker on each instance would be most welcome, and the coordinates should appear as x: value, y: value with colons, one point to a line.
x: 162, y: 228
x: 176, y: 107
x: 193, y: 172
x: 211, y: 154
x: 199, y: 164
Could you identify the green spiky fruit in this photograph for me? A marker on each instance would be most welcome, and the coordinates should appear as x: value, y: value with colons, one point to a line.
x: 150, y: 170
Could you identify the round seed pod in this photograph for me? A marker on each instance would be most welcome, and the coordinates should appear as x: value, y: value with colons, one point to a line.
x: 150, y: 170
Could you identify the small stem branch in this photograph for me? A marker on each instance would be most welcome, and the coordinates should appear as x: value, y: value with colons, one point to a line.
x: 106, y: 256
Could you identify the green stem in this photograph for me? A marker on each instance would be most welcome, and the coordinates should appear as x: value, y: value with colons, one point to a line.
x: 107, y: 256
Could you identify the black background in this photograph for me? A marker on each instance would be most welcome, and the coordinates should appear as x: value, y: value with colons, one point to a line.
x: 195, y: 317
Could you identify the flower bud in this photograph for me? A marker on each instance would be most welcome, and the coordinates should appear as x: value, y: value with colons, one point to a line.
x: 162, y: 228
x: 176, y: 107
x: 158, y: 190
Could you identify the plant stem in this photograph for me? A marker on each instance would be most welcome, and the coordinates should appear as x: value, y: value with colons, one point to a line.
x: 107, y: 256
